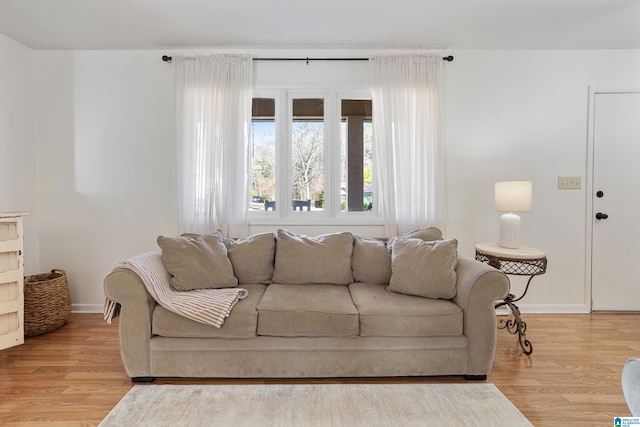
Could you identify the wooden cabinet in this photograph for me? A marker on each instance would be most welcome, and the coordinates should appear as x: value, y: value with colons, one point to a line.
x: 11, y: 279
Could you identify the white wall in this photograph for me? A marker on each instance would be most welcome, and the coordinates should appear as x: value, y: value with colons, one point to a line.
x: 105, y: 129
x: 17, y: 143
x: 105, y: 132
x: 524, y: 115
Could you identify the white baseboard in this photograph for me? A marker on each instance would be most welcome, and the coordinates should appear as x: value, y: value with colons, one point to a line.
x: 87, y: 308
x: 554, y: 308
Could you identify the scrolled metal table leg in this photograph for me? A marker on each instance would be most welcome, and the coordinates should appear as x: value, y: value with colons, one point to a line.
x: 515, y: 325
x: 520, y: 327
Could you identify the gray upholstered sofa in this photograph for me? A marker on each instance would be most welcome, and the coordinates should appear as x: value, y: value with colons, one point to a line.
x: 335, y: 305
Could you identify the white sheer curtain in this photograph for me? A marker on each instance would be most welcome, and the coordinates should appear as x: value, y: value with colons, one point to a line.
x: 408, y: 142
x: 213, y: 110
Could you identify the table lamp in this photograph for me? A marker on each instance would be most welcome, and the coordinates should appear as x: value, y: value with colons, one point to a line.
x: 512, y: 196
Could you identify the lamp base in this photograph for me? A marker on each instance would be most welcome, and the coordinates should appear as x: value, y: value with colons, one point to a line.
x: 509, y: 231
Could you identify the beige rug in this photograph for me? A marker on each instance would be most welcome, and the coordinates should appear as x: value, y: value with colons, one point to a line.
x: 474, y: 404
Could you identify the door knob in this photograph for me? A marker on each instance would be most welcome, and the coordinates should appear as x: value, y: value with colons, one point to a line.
x: 601, y: 215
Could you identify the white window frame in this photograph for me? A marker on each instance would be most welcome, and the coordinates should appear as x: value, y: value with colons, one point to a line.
x: 332, y: 215
x: 361, y: 215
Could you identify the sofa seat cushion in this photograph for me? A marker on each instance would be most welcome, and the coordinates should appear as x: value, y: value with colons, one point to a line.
x: 385, y: 313
x: 241, y: 323
x: 309, y: 310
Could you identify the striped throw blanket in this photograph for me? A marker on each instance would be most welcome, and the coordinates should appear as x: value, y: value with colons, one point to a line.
x: 208, y: 306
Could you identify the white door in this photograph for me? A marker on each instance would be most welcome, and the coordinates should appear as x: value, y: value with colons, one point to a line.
x: 615, y: 250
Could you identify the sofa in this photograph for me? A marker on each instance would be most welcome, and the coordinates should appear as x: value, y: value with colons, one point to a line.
x: 334, y: 305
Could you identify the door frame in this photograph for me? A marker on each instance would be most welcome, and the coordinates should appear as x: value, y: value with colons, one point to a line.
x: 591, y: 113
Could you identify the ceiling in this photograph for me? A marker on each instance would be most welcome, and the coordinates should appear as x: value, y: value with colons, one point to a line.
x: 358, y: 24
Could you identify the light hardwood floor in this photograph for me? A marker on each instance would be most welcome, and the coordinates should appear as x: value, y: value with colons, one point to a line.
x: 74, y: 377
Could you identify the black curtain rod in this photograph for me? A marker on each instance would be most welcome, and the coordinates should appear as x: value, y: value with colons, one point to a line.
x: 449, y: 58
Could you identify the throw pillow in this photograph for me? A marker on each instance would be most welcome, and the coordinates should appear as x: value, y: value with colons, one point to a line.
x: 371, y: 261
x: 427, y: 234
x: 196, y: 235
x: 426, y: 269
x: 197, y: 262
x: 431, y: 233
x: 252, y: 257
x: 323, y: 259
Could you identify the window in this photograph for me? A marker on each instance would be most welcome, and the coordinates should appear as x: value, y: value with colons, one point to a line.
x: 307, y: 154
x: 311, y: 153
x: 356, y: 150
x: 262, y: 152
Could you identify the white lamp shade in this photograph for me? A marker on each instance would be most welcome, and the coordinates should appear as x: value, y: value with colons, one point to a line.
x: 513, y: 196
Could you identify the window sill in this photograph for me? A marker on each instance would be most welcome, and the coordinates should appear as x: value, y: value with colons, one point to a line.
x: 315, y: 219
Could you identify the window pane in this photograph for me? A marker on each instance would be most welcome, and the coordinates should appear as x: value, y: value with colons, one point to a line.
x: 262, y: 190
x: 356, y: 188
x: 307, y: 131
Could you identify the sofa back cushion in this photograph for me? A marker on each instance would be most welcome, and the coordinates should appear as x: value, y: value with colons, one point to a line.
x: 252, y: 257
x: 427, y: 234
x: 197, y: 262
x: 304, y: 259
x: 426, y: 269
x: 371, y: 261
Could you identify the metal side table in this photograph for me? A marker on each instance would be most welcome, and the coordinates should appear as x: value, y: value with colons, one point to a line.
x: 522, y: 261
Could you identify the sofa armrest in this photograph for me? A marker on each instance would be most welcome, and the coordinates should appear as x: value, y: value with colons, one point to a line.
x: 136, y: 308
x: 478, y: 287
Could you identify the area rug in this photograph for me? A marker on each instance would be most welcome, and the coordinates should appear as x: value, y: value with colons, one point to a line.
x: 477, y: 404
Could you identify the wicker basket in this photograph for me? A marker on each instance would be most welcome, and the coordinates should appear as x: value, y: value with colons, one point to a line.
x: 47, y: 303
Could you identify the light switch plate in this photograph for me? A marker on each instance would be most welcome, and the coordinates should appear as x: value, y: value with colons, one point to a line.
x: 569, y: 182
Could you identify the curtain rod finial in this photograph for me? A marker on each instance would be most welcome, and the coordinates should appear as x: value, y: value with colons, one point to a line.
x: 166, y: 58
x: 448, y: 58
